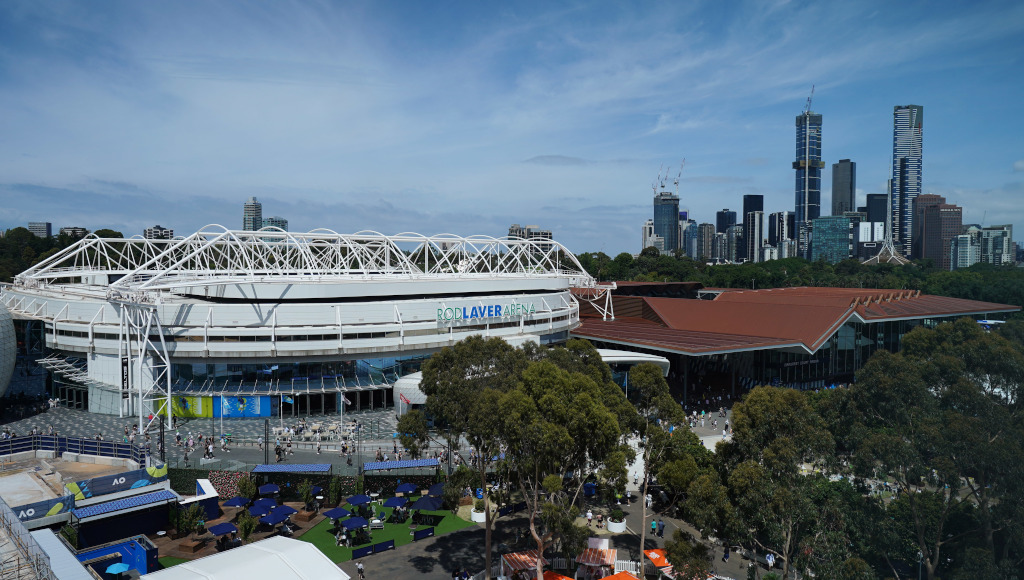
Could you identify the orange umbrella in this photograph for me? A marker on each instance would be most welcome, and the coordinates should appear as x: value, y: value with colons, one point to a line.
x: 658, y: 558
x: 621, y: 576
x: 552, y: 575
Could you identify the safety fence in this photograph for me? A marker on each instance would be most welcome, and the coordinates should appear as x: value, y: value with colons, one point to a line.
x: 20, y: 556
x: 61, y: 444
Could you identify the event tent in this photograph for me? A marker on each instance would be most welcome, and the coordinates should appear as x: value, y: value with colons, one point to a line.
x: 276, y: 557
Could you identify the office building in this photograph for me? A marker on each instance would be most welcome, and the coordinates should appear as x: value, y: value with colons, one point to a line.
x: 870, y: 232
x: 724, y: 219
x: 73, y: 231
x: 808, y: 166
x: 905, y: 182
x: 753, y: 235
x: 997, y: 244
x: 834, y: 239
x: 936, y: 223
x: 779, y: 224
x: 158, y: 232
x: 751, y: 203
x: 734, y: 242
x: 276, y: 222
x: 532, y: 233
x: 252, y: 215
x: 720, y: 248
x: 646, y: 234
x: 41, y: 229
x: 877, y: 207
x: 769, y: 253
x: 705, y: 236
x: 844, y: 187
x: 964, y: 251
x: 688, y: 243
x: 666, y: 219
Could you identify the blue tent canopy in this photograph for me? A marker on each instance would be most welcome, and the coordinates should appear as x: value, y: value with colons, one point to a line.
x: 355, y: 523
x: 406, y: 488
x: 436, y: 490
x: 403, y: 464
x: 427, y: 503
x: 269, y: 488
x: 259, y: 510
x: 396, y: 502
x: 272, y: 519
x: 223, y: 528
x: 359, y: 499
x: 237, y: 502
x: 337, y: 513
x: 284, y: 509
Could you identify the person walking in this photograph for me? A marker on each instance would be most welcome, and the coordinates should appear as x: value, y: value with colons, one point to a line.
x: 661, y: 528
x: 360, y: 571
x: 590, y: 516
x: 654, y: 527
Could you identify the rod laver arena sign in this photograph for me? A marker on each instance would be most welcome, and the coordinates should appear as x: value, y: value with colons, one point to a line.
x: 489, y: 311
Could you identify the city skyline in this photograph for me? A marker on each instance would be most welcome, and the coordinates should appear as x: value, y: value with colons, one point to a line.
x: 368, y: 117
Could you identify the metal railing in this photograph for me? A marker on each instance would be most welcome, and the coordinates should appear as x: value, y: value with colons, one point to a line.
x: 81, y: 446
x: 28, y: 559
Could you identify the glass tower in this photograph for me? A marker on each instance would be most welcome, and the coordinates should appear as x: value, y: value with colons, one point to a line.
x: 666, y: 219
x: 908, y: 121
x: 844, y: 187
x: 808, y: 166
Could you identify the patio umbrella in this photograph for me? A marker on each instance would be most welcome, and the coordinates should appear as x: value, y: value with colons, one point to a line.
x: 284, y: 509
x: 259, y: 511
x: 337, y: 513
x: 406, y: 488
x: 396, y: 502
x: 269, y: 488
x: 267, y: 502
x: 436, y: 490
x: 355, y: 523
x: 359, y: 499
x: 237, y: 502
x: 316, y: 490
x: 118, y: 568
x: 427, y: 503
x: 224, y: 528
x: 273, y: 519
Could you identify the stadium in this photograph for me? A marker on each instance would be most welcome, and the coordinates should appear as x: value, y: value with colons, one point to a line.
x: 272, y: 323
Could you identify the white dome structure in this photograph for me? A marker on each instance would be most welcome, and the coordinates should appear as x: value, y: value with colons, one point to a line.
x: 8, y: 349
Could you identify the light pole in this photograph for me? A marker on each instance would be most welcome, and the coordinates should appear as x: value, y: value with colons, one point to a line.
x: 920, y: 559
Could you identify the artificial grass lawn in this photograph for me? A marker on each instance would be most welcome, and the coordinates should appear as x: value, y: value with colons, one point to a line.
x: 320, y: 535
x: 168, y: 561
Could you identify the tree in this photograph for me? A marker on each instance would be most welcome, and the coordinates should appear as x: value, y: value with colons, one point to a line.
x: 657, y: 412
x: 247, y: 487
x: 690, y: 558
x: 108, y: 233
x: 413, y: 432
x: 247, y: 524
x: 305, y: 490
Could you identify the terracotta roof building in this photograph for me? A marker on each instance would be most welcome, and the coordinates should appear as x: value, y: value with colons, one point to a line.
x: 804, y: 337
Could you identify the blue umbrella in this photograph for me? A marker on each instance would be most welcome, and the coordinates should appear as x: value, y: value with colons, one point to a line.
x: 396, y: 502
x: 258, y: 510
x: 436, y: 490
x: 359, y: 499
x: 269, y: 488
x: 237, y: 502
x: 267, y: 502
x: 427, y: 503
x: 284, y: 509
x: 316, y: 490
x: 355, y: 523
x: 224, y: 528
x: 118, y: 568
x: 406, y: 488
x: 273, y: 519
x: 337, y: 513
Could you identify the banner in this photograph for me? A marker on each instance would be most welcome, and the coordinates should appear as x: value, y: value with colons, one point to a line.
x: 191, y: 407
x: 41, y: 509
x: 117, y: 482
x: 253, y: 406
x: 404, y: 399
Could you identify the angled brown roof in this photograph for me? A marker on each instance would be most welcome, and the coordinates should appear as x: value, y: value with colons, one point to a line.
x: 754, y: 319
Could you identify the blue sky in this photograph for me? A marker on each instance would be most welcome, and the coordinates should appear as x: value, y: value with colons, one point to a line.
x: 465, y: 117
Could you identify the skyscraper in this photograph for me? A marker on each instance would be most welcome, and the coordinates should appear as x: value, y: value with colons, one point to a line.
x: 905, y: 183
x: 753, y: 234
x: 844, y: 187
x: 646, y: 233
x: 705, y: 238
x: 778, y: 227
x: 997, y: 244
x: 666, y: 219
x: 252, y: 215
x: 877, y: 207
x: 724, y: 219
x: 808, y: 166
x: 751, y: 203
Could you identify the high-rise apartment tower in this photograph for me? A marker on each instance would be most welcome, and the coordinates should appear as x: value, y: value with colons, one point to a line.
x: 844, y: 187
x: 666, y: 219
x: 252, y: 215
x: 905, y: 183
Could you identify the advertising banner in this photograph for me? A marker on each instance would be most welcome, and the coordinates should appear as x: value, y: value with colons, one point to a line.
x: 117, y: 482
x: 192, y: 407
x: 254, y: 406
x: 41, y: 509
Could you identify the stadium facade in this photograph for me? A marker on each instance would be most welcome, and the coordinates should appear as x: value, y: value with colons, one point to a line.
x: 242, y: 323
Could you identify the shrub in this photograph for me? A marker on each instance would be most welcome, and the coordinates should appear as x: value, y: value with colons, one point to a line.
x: 246, y: 525
x: 617, y: 515
x: 247, y: 487
x: 478, y: 505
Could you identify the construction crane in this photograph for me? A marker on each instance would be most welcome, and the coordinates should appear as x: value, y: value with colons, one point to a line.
x: 807, y: 109
x: 678, y: 175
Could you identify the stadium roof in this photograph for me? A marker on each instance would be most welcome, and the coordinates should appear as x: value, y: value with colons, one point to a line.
x: 742, y: 320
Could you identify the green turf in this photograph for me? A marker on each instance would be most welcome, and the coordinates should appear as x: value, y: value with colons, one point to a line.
x: 320, y: 535
x: 168, y: 561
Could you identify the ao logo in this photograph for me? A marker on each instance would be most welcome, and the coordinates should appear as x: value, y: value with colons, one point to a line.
x: 118, y: 480
x: 26, y: 513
